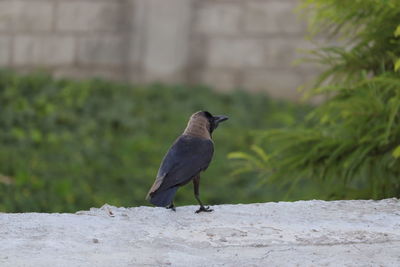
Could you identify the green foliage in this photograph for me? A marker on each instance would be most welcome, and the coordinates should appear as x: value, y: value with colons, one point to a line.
x: 349, y: 145
x: 67, y: 145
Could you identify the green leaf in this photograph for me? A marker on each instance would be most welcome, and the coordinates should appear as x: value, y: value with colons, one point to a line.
x: 397, y: 31
x: 238, y: 155
x: 397, y: 65
x: 396, y: 152
x: 260, y: 152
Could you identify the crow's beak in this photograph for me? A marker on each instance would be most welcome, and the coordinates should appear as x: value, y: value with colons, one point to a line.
x: 220, y: 118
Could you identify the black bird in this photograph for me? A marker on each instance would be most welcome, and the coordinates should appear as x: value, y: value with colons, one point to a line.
x: 189, y: 155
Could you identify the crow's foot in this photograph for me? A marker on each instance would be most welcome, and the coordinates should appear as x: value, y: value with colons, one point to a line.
x: 171, y: 206
x: 204, y: 209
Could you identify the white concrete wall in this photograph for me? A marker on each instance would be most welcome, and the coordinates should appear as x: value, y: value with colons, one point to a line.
x: 303, y: 233
x: 249, y: 44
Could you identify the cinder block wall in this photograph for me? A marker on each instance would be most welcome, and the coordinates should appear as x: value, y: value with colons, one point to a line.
x: 67, y: 37
x: 249, y: 44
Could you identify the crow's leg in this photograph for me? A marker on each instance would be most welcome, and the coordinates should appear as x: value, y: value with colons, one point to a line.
x: 196, y: 183
x: 171, y: 206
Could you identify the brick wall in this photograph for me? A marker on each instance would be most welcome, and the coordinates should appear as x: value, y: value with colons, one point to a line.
x: 249, y: 44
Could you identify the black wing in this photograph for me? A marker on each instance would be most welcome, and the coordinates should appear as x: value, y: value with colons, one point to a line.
x: 186, y: 158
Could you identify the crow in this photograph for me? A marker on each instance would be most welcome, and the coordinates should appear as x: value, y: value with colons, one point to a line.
x: 190, y: 154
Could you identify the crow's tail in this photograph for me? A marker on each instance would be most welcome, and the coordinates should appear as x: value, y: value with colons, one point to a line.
x: 163, y: 198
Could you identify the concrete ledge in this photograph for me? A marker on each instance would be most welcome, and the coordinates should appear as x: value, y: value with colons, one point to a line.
x: 303, y: 233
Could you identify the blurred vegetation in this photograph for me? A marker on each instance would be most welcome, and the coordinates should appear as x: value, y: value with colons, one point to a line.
x: 349, y: 147
x: 67, y: 145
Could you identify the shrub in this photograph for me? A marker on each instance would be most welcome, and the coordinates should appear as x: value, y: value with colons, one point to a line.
x: 349, y: 146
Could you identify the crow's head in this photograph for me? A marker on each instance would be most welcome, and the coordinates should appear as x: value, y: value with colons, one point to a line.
x: 202, y: 124
x: 213, y: 120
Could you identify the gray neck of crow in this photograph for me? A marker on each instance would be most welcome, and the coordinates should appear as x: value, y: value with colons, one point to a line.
x: 198, y: 127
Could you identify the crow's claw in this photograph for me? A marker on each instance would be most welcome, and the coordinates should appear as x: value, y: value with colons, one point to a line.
x: 204, y: 209
x: 172, y: 207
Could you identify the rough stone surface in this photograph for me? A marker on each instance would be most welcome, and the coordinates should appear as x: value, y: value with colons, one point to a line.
x: 219, y: 18
x: 282, y: 52
x: 166, y: 50
x: 236, y: 53
x: 223, y: 80
x: 281, y: 83
x: 110, y: 73
x: 225, y: 44
x: 86, y: 16
x: 275, y: 16
x: 26, y: 15
x: 106, y: 50
x: 5, y: 50
x: 42, y: 51
x: 303, y: 233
